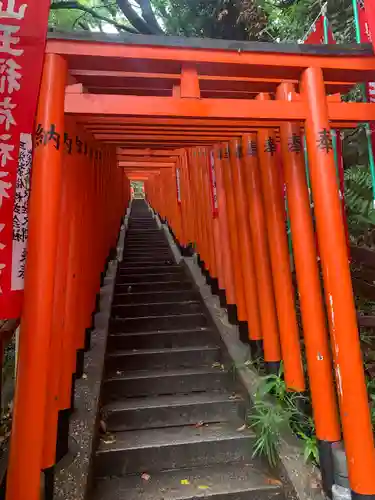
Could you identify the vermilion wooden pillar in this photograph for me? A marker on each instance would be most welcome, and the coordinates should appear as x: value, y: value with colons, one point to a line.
x: 230, y: 295
x: 197, y: 203
x: 316, y: 336
x: 206, y: 195
x: 353, y: 399
x: 183, y: 204
x: 202, y: 194
x: 262, y: 264
x: 217, y: 239
x: 244, y: 242
x: 56, y: 360
x: 233, y: 237
x: 189, y: 212
x: 25, y: 461
x: 201, y: 201
x: 74, y: 280
x: 278, y: 244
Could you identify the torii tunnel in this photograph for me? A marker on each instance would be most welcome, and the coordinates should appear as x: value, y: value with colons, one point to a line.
x: 206, y: 125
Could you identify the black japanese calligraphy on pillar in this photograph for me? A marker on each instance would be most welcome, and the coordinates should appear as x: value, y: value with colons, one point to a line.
x: 39, y: 135
x: 324, y: 141
x: 294, y: 143
x: 79, y: 145
x: 270, y: 146
x: 44, y: 137
x: 68, y: 141
x: 239, y: 153
x: 252, y: 148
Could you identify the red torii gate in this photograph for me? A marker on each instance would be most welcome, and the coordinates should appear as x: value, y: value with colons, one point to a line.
x: 168, y: 100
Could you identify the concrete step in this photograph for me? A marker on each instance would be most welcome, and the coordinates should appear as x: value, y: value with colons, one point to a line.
x: 130, y: 243
x: 156, y: 297
x: 218, y: 482
x: 146, y: 242
x: 131, y: 248
x: 153, y: 359
x: 148, y: 278
x: 141, y: 258
x: 160, y: 382
x: 143, y: 232
x: 149, y: 242
x: 167, y: 254
x: 156, y: 286
x: 170, y: 411
x: 161, y: 339
x: 152, y: 323
x: 150, y: 268
x: 143, y: 224
x: 162, y: 246
x: 145, y: 237
x: 155, y: 309
x: 133, y: 240
x: 173, y: 448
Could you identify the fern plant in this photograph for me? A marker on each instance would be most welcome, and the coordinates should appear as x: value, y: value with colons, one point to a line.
x: 359, y: 201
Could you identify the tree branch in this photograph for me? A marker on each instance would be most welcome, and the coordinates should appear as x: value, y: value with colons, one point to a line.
x: 140, y: 24
x: 88, y: 10
x: 149, y: 16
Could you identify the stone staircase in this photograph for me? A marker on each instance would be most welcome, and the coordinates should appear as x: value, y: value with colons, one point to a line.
x: 173, y: 418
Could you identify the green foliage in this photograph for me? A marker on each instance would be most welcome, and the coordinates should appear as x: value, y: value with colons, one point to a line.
x: 138, y: 187
x: 291, y: 24
x: 371, y: 393
x: 71, y: 19
x: 359, y: 200
x: 229, y: 19
x: 310, y: 451
x: 264, y: 20
x: 275, y: 409
x: 268, y: 420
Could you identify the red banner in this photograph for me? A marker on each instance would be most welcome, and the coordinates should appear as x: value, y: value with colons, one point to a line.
x: 316, y: 35
x: 23, y: 28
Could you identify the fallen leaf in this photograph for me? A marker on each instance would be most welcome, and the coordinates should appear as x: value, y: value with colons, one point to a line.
x: 242, y: 428
x: 199, y: 424
x: 274, y: 482
x: 216, y: 365
x: 146, y: 477
x: 118, y: 372
x: 84, y: 376
x: 103, y: 426
x: 109, y: 439
x: 315, y: 484
x: 185, y: 481
x: 203, y: 487
x: 234, y: 396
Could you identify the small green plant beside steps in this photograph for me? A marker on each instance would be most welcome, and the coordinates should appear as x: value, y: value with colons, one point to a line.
x: 275, y: 410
